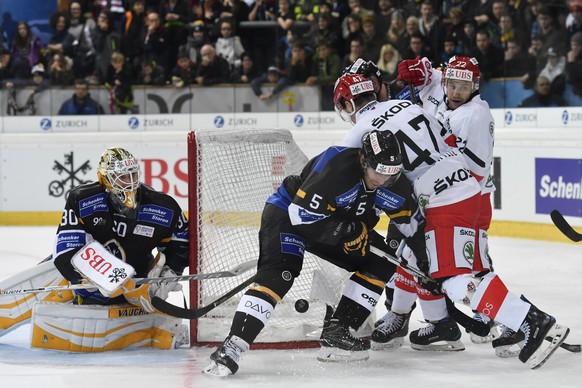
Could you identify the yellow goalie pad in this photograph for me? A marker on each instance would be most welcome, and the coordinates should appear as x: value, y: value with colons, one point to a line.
x: 16, y: 310
x: 95, y: 328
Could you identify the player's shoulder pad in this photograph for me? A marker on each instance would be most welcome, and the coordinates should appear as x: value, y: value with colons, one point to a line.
x: 86, y: 190
x: 151, y: 196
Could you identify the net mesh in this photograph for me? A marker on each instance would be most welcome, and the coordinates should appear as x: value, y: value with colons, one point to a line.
x: 233, y: 174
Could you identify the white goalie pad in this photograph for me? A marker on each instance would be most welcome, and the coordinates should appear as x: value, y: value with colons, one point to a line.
x: 16, y: 310
x: 102, y: 268
x: 95, y: 328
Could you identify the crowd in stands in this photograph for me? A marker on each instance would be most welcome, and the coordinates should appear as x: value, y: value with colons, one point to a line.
x: 178, y: 43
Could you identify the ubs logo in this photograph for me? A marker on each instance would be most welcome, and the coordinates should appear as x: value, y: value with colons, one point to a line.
x: 59, y: 187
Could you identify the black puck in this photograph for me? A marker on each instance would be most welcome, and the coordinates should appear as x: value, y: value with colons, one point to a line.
x: 301, y: 305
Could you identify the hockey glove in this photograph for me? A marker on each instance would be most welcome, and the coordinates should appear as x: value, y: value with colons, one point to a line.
x: 138, y: 296
x: 416, y: 71
x: 160, y: 269
x: 357, y: 242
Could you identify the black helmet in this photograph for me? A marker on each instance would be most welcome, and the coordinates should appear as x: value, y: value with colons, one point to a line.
x: 382, y: 153
x: 363, y: 67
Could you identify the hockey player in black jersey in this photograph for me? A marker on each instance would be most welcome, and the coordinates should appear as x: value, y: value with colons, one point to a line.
x: 127, y: 221
x: 329, y: 210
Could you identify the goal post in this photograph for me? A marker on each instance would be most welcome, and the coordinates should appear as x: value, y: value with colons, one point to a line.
x: 231, y: 173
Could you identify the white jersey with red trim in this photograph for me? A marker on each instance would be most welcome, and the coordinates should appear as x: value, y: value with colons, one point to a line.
x: 439, y: 173
x: 471, y: 123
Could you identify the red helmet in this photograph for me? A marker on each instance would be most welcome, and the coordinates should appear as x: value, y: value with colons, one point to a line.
x: 463, y: 69
x: 347, y: 89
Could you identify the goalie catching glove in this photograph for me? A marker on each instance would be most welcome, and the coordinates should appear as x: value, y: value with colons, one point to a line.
x: 357, y: 242
x: 416, y: 71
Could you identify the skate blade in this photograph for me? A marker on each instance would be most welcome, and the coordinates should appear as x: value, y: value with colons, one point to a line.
x: 216, y: 370
x: 508, y: 351
x: 543, y: 353
x: 449, y: 346
x: 394, y: 344
x: 494, y: 333
x: 329, y: 354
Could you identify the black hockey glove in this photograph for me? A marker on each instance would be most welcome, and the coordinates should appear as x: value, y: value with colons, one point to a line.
x: 417, y: 244
x: 357, y: 241
x: 431, y: 285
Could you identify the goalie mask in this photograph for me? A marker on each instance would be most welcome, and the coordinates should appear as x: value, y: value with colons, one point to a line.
x: 382, y: 154
x: 119, y: 173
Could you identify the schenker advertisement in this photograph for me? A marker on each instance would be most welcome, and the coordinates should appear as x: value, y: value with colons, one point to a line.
x: 559, y: 186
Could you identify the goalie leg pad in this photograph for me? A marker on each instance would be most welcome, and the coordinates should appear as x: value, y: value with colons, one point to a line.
x: 16, y: 310
x: 95, y: 328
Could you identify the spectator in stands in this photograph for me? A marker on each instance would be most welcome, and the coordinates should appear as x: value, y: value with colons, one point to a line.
x: 81, y: 51
x: 470, y: 37
x: 508, y: 31
x: 554, y: 71
x: 196, y: 40
x: 356, y: 51
x: 431, y: 30
x: 246, y: 72
x: 26, y: 51
x: 574, y: 63
x: 264, y: 10
x: 551, y: 34
x: 396, y: 34
x: 115, y: 11
x: 229, y: 45
x: 454, y: 29
x: 301, y: 65
x: 106, y: 41
x: 60, y: 70
x: 373, y: 41
x: 326, y: 66
x: 519, y: 63
x: 306, y: 10
x: 388, y: 62
x: 184, y: 73
x: 384, y: 12
x: 61, y: 38
x: 213, y: 69
x: 573, y: 20
x: 449, y: 49
x: 416, y: 47
x: 490, y: 57
x: 174, y: 17
x: 356, y: 9
x: 5, y: 66
x: 323, y: 28
x: 81, y: 103
x: 133, y: 32
x: 118, y: 81
x: 542, y: 98
x: 354, y: 29
x: 152, y: 74
x: 536, y: 50
x: 272, y: 76
x: 235, y: 10
x: 155, y: 42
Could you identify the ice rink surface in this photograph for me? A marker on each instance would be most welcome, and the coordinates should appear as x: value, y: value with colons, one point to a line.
x: 549, y: 274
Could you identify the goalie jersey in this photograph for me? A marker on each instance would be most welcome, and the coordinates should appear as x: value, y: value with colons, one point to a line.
x: 90, y: 215
x: 331, y: 190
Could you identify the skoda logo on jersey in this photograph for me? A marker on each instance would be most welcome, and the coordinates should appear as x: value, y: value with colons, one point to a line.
x: 133, y: 122
x: 565, y: 117
x: 508, y: 117
x: 219, y: 121
x: 298, y: 120
x: 46, y: 124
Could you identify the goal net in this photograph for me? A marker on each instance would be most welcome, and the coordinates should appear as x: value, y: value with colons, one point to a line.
x: 231, y: 174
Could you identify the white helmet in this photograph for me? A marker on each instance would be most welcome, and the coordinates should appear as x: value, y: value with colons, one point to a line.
x: 119, y: 173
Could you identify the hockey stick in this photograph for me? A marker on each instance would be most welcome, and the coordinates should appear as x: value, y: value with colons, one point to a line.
x: 239, y: 269
x: 479, y: 328
x: 185, y: 313
x: 564, y: 226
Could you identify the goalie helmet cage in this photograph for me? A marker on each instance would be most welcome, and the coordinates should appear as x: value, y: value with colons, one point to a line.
x: 231, y: 173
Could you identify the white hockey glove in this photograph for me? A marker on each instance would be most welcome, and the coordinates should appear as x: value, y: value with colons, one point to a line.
x: 162, y: 290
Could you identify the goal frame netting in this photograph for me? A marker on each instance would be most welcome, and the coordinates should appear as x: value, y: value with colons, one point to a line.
x: 215, y: 225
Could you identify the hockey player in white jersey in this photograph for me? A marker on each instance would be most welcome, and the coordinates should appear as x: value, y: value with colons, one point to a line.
x: 452, y: 95
x: 450, y: 197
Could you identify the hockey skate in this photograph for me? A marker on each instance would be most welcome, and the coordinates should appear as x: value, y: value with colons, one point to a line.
x: 509, y: 343
x: 390, y: 333
x: 225, y: 359
x: 338, y: 344
x: 431, y: 337
x: 536, y: 327
x: 494, y: 330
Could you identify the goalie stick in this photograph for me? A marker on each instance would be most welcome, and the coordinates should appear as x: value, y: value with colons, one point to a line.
x: 564, y: 227
x: 239, y: 269
x: 186, y: 313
